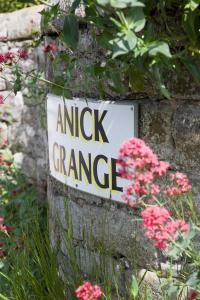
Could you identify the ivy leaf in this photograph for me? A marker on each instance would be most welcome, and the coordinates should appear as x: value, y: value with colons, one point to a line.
x: 136, y: 19
x: 123, y: 43
x: 159, y: 48
x: 70, y: 31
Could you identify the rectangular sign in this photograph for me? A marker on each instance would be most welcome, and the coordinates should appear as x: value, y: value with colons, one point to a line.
x: 84, y: 137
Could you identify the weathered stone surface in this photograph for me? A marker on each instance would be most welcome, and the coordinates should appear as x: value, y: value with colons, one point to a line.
x: 20, y: 24
x: 101, y: 222
x: 26, y: 164
x: 186, y: 136
x: 20, y: 137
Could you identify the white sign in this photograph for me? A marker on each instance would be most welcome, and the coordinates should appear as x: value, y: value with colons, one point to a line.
x: 84, y: 137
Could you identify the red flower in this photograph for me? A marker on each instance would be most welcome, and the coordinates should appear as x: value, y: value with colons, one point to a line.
x: 2, y: 57
x: 2, y: 253
x: 1, y: 99
x: 22, y: 53
x: 192, y: 295
x: 87, y: 291
x: 50, y: 47
x: 9, y: 55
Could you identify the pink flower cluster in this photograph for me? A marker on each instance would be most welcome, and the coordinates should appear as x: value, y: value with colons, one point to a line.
x: 87, y: 291
x: 181, y: 185
x: 138, y: 162
x: 160, y: 228
x: 10, y: 55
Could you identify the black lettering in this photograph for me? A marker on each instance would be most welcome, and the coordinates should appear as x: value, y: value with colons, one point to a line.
x: 69, y: 120
x: 77, y: 121
x: 83, y: 166
x: 72, y: 165
x: 86, y: 109
x: 60, y: 120
x: 62, y: 160
x: 99, y: 130
x: 55, y: 162
x: 115, y: 174
x: 104, y: 185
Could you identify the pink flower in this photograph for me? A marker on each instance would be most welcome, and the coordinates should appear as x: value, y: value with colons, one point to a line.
x: 1, y: 99
x: 182, y: 181
x: 138, y: 162
x: 161, y: 168
x: 181, y: 185
x: 87, y: 291
x: 159, y: 227
x: 50, y: 47
x: 22, y: 53
x: 154, y: 216
x: 155, y: 189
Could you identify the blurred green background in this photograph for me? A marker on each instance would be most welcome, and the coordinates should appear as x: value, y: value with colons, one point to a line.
x: 12, y: 5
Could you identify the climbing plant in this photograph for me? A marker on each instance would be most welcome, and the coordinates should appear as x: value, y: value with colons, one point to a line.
x: 144, y: 40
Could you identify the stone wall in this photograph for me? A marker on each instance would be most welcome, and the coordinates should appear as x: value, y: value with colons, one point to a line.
x: 20, y: 117
x: 171, y: 128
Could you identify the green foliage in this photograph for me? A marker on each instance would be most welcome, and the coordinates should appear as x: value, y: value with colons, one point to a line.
x: 12, y: 5
x: 142, y: 37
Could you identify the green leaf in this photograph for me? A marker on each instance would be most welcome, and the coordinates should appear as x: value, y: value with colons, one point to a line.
x: 189, y: 25
x: 134, y: 287
x: 192, y: 4
x: 103, y: 2
x: 126, y: 3
x: 123, y: 43
x: 159, y: 47
x: 136, y: 19
x: 193, y: 69
x: 121, y: 3
x: 164, y: 91
x: 136, y: 79
x: 70, y: 31
x: 2, y: 297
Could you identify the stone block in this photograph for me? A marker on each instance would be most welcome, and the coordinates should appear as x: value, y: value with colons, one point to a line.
x: 12, y: 29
